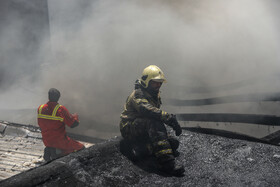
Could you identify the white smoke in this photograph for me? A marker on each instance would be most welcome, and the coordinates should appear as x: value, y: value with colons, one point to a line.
x: 99, y: 48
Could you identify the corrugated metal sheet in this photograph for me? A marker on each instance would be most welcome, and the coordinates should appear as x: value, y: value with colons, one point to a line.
x: 18, y: 154
x: 21, y: 148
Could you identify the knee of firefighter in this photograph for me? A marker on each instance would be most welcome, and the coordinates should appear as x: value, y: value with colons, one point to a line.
x: 158, y: 137
x: 125, y: 130
x: 156, y: 133
x: 162, y: 148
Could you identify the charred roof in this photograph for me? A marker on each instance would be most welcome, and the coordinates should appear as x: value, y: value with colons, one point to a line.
x: 209, y: 160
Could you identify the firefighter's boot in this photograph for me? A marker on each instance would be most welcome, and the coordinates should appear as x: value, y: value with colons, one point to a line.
x: 172, y: 168
x: 47, y: 154
x: 51, y: 153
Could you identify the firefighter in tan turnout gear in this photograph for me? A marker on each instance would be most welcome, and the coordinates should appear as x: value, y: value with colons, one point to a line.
x: 142, y: 122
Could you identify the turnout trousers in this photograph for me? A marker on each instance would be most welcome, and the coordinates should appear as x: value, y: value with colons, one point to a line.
x: 153, y: 132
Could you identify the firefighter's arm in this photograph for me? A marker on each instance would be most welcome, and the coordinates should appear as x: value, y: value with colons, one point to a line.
x: 171, y: 120
x: 76, y: 122
x: 146, y: 109
x: 71, y: 120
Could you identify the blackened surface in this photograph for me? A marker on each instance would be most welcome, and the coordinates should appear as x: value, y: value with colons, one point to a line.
x: 234, y: 135
x: 209, y: 160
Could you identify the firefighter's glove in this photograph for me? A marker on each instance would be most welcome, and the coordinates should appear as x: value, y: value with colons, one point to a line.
x: 178, y: 130
x: 172, y: 122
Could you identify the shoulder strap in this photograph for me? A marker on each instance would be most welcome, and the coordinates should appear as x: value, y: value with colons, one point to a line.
x: 40, y: 108
x: 50, y: 117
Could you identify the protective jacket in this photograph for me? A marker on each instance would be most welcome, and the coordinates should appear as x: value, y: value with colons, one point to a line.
x: 142, y: 119
x: 142, y: 122
x: 52, y: 118
x: 141, y: 104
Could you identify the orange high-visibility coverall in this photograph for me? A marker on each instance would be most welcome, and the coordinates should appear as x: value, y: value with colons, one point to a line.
x: 52, y: 118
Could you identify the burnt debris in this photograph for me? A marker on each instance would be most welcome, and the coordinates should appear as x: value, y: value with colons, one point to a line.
x: 209, y: 160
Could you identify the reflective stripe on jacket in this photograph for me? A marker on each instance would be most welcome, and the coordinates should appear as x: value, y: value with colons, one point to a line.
x: 51, y: 117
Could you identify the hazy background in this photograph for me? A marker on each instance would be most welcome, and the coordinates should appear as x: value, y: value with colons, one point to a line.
x: 93, y: 51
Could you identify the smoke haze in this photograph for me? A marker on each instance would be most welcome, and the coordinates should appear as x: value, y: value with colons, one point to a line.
x: 97, y: 49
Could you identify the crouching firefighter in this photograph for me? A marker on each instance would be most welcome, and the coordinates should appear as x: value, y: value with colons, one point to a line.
x: 52, y: 118
x: 142, y: 122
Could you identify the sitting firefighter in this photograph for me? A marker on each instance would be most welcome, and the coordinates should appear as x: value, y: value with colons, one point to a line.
x: 142, y: 122
x: 52, y: 118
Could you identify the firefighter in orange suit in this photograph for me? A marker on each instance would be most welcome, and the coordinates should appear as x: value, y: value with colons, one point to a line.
x: 52, y: 118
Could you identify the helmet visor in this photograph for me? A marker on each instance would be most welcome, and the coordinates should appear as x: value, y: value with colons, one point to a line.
x: 158, y: 80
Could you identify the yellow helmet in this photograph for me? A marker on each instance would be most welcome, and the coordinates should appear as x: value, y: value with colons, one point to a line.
x: 152, y: 72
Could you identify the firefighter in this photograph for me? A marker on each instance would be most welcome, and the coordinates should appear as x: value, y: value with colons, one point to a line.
x: 142, y: 121
x: 52, y: 118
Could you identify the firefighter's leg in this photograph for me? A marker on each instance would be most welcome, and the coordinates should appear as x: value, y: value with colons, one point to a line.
x: 135, y: 142
x: 126, y: 142
x: 174, y: 143
x: 162, y: 149
x: 142, y: 143
x: 68, y: 145
x: 161, y: 146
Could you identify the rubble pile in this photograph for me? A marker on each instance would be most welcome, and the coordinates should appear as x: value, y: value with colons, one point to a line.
x: 209, y: 160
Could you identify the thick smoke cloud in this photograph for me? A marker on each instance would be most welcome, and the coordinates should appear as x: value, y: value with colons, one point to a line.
x: 23, y: 29
x: 99, y: 48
